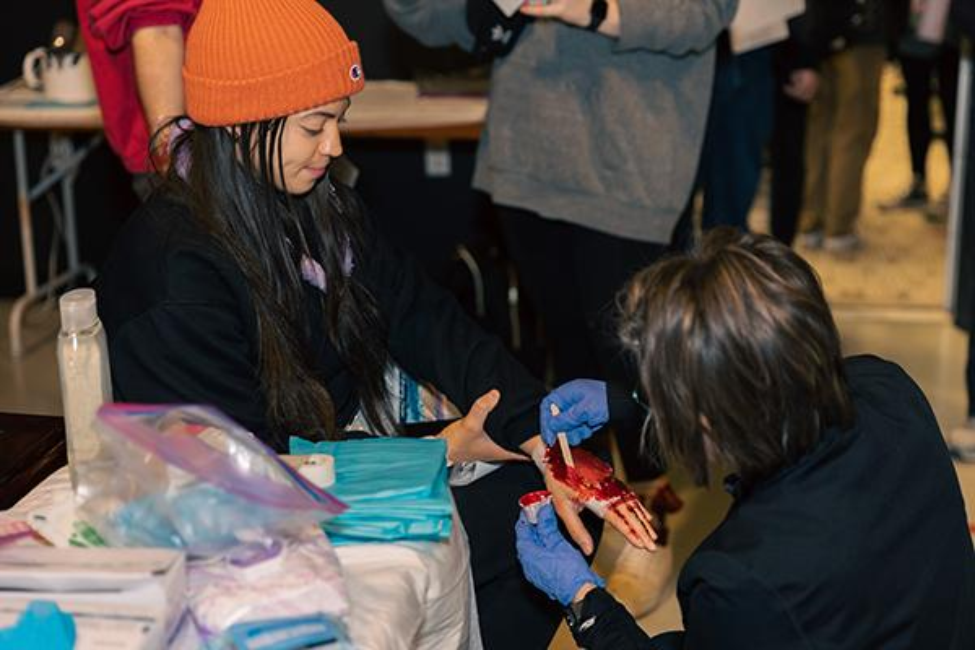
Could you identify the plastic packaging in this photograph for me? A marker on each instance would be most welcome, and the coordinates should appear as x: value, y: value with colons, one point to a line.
x: 272, y: 581
x: 188, y: 477
x: 86, y: 383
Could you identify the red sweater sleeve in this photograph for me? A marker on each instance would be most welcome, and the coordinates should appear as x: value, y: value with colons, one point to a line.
x: 114, y: 21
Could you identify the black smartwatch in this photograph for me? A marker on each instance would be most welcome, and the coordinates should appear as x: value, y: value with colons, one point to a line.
x: 597, y: 14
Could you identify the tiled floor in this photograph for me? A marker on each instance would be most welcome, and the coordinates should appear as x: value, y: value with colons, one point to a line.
x: 887, y: 301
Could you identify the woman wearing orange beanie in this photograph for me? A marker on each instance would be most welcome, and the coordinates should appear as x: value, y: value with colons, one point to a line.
x: 252, y: 282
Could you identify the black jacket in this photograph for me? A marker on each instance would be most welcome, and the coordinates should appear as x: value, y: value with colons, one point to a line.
x: 861, y: 544
x: 182, y: 327
x: 844, y: 23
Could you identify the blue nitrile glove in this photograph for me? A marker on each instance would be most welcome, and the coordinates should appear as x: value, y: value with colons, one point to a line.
x: 42, y: 626
x: 549, y: 561
x: 583, y: 409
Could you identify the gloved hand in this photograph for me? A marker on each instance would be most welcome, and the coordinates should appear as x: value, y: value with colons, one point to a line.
x: 583, y: 409
x: 549, y: 561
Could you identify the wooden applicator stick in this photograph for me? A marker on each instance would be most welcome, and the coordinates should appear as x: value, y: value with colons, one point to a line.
x: 563, y: 441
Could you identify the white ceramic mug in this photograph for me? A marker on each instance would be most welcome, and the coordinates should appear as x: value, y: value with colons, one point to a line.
x: 64, y: 78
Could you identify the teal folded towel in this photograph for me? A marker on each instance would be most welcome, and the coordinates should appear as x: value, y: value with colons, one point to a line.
x: 396, y: 488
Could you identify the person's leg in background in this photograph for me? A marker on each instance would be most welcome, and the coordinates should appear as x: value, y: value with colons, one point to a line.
x: 946, y: 72
x: 857, y: 102
x: 786, y: 159
x: 917, y: 73
x: 738, y: 129
x: 820, y: 122
x: 946, y: 76
x: 962, y: 440
x: 539, y: 249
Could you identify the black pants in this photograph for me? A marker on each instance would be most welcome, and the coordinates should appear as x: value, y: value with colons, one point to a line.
x: 970, y: 374
x: 787, y: 147
x: 513, y: 613
x: 918, y: 74
x: 572, y: 275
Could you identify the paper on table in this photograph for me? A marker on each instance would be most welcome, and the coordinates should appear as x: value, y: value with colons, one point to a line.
x: 761, y: 22
x: 129, y: 598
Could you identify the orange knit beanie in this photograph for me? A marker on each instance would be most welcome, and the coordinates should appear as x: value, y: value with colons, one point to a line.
x: 252, y: 60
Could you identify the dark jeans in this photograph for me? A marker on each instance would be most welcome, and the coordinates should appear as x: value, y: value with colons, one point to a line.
x: 572, y: 275
x: 738, y: 128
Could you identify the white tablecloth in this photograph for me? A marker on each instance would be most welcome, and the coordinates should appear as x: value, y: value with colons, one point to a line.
x: 408, y: 595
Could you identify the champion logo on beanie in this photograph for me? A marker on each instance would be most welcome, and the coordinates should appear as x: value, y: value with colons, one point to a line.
x: 253, y: 60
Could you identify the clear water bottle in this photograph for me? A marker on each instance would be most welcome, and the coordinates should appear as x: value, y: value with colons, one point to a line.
x: 86, y: 382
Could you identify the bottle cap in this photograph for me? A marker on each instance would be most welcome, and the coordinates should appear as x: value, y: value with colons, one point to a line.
x: 78, y: 311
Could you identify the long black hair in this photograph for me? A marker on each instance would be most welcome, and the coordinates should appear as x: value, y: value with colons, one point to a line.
x: 226, y: 177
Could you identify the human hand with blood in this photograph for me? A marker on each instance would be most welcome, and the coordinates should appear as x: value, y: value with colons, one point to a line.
x: 590, y: 484
x: 581, y: 409
x: 549, y: 561
x: 468, y: 441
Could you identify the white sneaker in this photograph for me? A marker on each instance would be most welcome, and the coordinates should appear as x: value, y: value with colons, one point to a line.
x: 811, y: 240
x: 640, y: 579
x: 961, y: 442
x: 843, y: 243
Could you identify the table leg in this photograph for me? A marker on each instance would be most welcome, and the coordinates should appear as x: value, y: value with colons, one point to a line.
x: 66, y: 160
x: 23, y: 213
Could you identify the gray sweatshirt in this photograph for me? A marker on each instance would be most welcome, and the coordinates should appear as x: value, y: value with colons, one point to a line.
x: 600, y: 132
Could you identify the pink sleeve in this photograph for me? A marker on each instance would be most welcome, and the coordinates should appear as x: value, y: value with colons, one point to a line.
x: 114, y: 21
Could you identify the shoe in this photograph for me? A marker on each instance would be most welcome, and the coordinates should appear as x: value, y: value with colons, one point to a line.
x: 961, y: 442
x: 916, y: 197
x: 812, y: 240
x: 937, y: 212
x: 662, y: 502
x: 849, y: 243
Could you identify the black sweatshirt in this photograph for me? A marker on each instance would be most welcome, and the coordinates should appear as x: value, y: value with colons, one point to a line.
x: 862, y: 543
x: 182, y: 327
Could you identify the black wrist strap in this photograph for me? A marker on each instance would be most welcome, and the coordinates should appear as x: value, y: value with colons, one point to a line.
x: 597, y: 14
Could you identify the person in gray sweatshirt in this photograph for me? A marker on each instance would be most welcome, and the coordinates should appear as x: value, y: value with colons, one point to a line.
x: 594, y: 131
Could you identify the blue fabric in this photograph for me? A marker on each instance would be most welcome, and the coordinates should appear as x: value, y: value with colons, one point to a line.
x: 396, y: 488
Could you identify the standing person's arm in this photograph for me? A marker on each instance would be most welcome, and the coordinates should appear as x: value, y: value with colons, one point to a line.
x: 435, y: 23
x: 153, y: 31
x: 676, y: 27
x: 157, y: 53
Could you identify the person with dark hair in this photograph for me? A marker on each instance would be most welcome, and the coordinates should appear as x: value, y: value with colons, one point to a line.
x: 593, y: 135
x: 848, y: 526
x: 253, y: 282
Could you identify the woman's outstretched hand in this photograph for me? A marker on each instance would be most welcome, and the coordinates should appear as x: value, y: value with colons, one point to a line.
x: 466, y: 439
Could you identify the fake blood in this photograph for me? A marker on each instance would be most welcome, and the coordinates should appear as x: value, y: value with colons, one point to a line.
x: 591, y: 479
